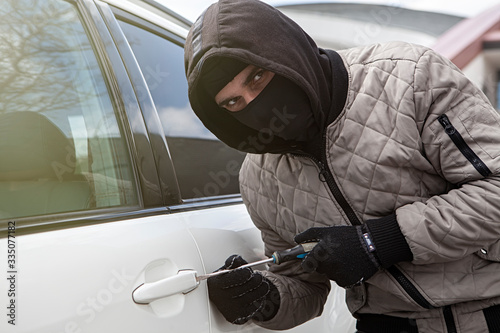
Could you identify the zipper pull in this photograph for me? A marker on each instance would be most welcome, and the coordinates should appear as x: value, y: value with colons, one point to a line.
x: 322, y: 171
x: 445, y: 122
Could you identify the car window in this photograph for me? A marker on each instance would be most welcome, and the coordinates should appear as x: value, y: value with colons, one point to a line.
x: 204, y: 165
x: 61, y: 145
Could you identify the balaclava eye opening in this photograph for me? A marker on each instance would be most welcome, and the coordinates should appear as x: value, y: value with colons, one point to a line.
x: 283, y: 109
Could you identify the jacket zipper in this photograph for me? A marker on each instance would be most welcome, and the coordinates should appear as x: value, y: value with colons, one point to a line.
x: 410, y: 289
x: 326, y: 175
x: 459, y: 141
x: 449, y: 320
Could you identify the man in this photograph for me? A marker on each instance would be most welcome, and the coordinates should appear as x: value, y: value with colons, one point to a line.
x: 386, y: 155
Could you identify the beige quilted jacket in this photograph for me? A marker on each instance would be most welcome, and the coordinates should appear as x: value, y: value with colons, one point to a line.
x: 406, y: 134
x: 415, y: 137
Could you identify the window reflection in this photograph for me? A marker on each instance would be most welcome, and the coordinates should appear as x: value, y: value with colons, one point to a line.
x: 58, y: 129
x: 204, y: 165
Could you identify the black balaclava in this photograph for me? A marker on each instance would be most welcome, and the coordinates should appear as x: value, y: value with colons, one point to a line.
x: 253, y: 32
x: 282, y: 107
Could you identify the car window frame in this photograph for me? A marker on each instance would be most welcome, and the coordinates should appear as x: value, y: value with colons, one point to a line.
x: 118, y: 13
x: 164, y: 167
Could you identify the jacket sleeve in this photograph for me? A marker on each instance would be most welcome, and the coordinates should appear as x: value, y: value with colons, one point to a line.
x: 302, y: 295
x: 460, y: 132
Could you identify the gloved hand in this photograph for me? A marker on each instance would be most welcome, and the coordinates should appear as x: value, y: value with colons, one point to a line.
x: 243, y: 294
x: 350, y: 255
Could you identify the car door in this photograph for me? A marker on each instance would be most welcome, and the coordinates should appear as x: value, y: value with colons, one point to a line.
x: 206, y: 169
x: 84, y: 215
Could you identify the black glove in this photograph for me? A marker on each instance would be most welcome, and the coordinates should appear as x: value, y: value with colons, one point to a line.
x: 243, y: 294
x: 350, y: 255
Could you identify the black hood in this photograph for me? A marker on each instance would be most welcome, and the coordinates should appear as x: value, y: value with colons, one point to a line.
x: 256, y: 33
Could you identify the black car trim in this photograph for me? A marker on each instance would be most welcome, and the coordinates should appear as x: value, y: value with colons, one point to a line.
x: 53, y: 222
x: 37, y: 224
x: 128, y: 110
x: 207, y: 202
x: 157, y: 139
x: 464, y: 148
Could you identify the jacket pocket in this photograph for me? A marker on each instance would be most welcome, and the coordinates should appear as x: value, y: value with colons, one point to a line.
x: 462, y: 146
x: 482, y: 126
x: 409, y: 287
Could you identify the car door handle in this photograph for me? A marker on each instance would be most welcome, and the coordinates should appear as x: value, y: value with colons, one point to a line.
x: 185, y: 281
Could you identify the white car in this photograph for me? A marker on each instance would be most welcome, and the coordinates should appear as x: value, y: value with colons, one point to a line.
x: 113, y: 196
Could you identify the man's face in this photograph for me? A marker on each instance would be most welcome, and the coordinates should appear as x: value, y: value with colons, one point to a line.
x: 245, y: 86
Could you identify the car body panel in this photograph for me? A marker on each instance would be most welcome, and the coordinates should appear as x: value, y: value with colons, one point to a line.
x: 82, y: 279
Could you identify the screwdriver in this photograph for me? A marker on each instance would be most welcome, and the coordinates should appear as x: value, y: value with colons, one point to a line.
x: 278, y: 257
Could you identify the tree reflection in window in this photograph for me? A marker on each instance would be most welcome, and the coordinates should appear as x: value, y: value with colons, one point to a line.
x: 52, y: 91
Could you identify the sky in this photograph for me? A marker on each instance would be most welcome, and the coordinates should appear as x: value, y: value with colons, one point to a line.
x: 191, y: 9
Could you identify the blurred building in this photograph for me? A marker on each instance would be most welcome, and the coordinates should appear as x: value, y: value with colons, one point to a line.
x: 344, y: 25
x: 473, y: 44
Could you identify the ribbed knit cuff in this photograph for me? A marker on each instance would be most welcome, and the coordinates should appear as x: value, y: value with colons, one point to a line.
x: 492, y: 315
x: 391, y: 246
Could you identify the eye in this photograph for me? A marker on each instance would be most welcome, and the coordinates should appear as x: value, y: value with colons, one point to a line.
x: 258, y: 76
x: 232, y: 101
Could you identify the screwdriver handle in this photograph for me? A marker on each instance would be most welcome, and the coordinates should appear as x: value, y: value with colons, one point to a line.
x: 278, y: 257
x: 297, y: 252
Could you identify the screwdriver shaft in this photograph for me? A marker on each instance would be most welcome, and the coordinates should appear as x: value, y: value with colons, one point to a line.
x: 278, y: 257
x: 260, y: 262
